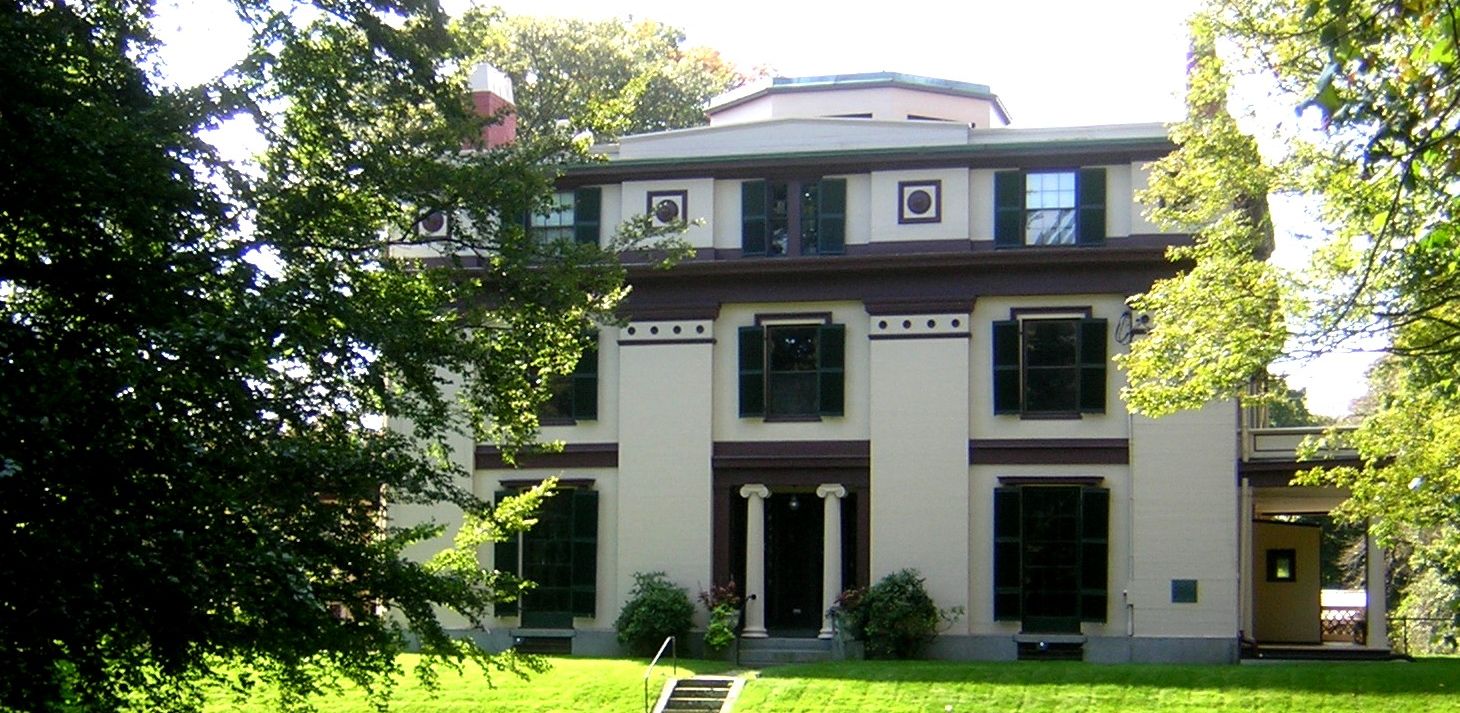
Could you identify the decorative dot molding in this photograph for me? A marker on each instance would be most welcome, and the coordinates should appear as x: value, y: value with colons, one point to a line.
x: 919, y: 326
x: 691, y: 331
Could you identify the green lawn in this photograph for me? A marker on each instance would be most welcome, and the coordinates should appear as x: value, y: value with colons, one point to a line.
x: 594, y: 685
x: 892, y: 687
x: 573, y: 684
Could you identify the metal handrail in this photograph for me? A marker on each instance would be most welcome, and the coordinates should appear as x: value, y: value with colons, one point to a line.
x: 673, y: 652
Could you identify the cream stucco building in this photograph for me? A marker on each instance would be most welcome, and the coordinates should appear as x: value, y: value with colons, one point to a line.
x: 892, y: 349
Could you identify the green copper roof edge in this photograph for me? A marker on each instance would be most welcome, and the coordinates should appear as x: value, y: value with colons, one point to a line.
x: 938, y: 151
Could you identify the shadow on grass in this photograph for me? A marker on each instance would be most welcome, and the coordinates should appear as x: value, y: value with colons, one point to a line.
x: 1377, y: 677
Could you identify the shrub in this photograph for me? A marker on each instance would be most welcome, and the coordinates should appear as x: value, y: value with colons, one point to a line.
x: 898, y: 618
x: 849, y: 614
x: 656, y: 609
x: 723, y: 603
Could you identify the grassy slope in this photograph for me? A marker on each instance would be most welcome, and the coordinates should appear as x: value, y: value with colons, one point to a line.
x: 593, y: 685
x: 573, y: 684
x: 891, y: 687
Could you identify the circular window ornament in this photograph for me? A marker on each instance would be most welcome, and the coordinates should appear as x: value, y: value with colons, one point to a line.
x: 666, y: 211
x: 919, y: 201
x: 434, y: 222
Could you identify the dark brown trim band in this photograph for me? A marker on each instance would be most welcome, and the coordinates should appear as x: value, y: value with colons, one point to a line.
x: 1278, y: 474
x: 882, y: 337
x: 573, y: 455
x: 1085, y: 480
x: 898, y: 308
x: 791, y: 455
x: 521, y: 483
x: 656, y: 342
x: 1049, y: 451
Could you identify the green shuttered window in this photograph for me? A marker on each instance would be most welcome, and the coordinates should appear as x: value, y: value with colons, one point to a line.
x: 576, y: 216
x: 1051, y: 556
x: 1049, y: 208
x: 1049, y: 366
x: 792, y: 370
x: 800, y: 217
x: 575, y: 396
x: 559, y: 555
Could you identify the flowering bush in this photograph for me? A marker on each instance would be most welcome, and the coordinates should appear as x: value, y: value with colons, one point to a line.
x: 723, y: 603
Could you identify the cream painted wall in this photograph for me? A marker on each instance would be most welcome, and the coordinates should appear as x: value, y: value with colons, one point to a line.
x: 612, y: 212
x: 884, y: 103
x: 1118, y: 201
x: 663, y: 519
x: 729, y: 426
x: 1184, y: 521
x: 463, y: 456
x: 633, y: 201
x: 984, y: 424
x: 982, y: 481
x: 885, y: 201
x: 1287, y: 612
x: 919, y: 470
x: 981, y: 205
x: 604, y: 429
x: 859, y: 209
x: 780, y: 136
x: 608, y: 600
x: 1140, y: 179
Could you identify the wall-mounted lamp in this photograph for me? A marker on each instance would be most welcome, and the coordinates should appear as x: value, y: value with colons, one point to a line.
x: 1131, y: 325
x: 795, y: 503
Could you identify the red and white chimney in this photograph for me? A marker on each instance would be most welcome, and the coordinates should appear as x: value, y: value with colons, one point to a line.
x: 491, y: 95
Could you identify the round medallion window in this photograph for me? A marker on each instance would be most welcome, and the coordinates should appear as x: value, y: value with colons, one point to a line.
x: 666, y: 211
x: 434, y: 222
x: 919, y: 201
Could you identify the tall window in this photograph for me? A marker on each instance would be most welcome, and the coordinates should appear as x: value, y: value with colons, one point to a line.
x: 1049, y: 208
x: 800, y: 217
x: 559, y: 555
x: 791, y: 371
x: 573, y: 217
x: 574, y: 396
x: 1051, y: 556
x: 1051, y: 366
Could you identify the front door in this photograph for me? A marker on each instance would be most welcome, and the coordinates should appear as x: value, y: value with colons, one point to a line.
x: 793, y: 529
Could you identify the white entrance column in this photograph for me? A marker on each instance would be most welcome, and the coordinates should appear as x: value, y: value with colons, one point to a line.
x: 831, y: 552
x: 1377, y: 637
x: 755, y: 496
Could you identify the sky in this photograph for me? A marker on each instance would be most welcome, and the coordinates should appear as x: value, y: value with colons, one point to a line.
x: 1052, y: 62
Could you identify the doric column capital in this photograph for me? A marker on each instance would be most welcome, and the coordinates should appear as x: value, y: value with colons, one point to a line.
x: 755, y: 489
x: 831, y: 490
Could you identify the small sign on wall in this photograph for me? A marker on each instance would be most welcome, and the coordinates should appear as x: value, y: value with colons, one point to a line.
x: 920, y: 202
x: 1183, y: 591
x: 667, y: 207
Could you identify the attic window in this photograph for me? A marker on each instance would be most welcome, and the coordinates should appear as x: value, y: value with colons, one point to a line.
x: 867, y: 115
x: 920, y: 117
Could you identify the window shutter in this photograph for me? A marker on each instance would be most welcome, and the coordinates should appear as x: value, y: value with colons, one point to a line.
x: 752, y: 218
x: 1090, y: 199
x: 587, y: 209
x: 1008, y: 209
x: 1008, y: 549
x: 1094, y: 553
x: 585, y: 552
x: 831, y: 368
x: 1006, y: 367
x: 504, y: 556
x: 831, y: 216
x: 1092, y: 365
x: 752, y: 371
x: 585, y: 385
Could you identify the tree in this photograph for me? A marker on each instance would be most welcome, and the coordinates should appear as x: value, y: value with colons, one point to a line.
x: 1377, y: 82
x: 192, y: 350
x: 609, y: 77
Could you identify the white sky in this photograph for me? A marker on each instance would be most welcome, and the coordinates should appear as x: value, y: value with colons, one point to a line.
x: 1052, y: 62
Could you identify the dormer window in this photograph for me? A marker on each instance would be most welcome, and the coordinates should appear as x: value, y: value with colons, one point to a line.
x: 793, y: 217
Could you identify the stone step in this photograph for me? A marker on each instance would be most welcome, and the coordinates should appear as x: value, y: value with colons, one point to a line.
x: 785, y: 644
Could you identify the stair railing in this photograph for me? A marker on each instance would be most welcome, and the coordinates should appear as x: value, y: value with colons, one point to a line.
x: 673, y: 652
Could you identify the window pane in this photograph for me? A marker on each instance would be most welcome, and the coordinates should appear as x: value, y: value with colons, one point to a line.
x: 557, y: 224
x: 1049, y: 342
x: 1051, y: 226
x: 792, y: 394
x: 793, y: 348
